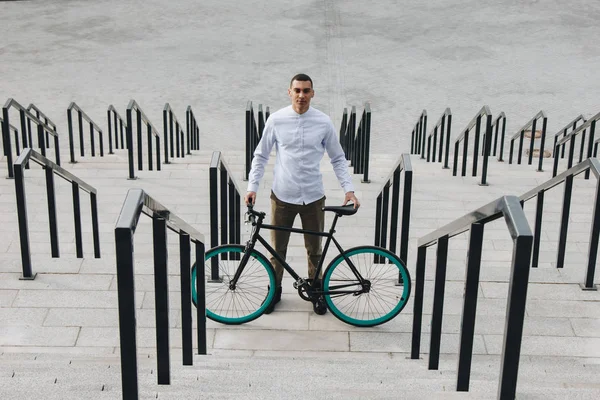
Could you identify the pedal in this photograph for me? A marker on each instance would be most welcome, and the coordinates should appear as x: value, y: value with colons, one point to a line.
x: 299, y: 283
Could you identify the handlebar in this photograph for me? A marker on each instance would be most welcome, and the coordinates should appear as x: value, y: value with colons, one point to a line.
x: 251, y: 214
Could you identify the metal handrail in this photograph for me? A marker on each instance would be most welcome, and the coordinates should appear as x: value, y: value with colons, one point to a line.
x: 122, y: 123
x: 593, y: 165
x: 151, y: 130
x: 578, y: 130
x: 464, y: 137
x: 521, y: 135
x: 591, y: 124
x: 26, y: 117
x: 51, y: 169
x: 445, y: 121
x: 168, y: 119
x: 485, y: 110
x: 136, y: 203
x: 580, y: 117
x: 16, y: 132
x: 417, y: 139
x: 81, y: 116
x: 381, y: 214
x: 510, y: 208
x: 47, y: 120
x: 487, y: 213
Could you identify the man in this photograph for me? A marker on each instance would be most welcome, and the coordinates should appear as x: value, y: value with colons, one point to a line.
x: 301, y: 134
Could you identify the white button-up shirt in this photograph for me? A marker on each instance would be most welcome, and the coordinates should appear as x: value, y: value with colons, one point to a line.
x: 300, y: 141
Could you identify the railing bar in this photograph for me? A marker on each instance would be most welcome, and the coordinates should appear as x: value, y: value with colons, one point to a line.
x: 469, y: 309
x: 438, y: 303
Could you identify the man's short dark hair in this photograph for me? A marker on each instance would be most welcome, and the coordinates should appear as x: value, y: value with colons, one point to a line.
x: 301, y: 78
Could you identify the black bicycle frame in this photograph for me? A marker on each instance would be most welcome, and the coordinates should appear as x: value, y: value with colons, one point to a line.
x: 329, y: 235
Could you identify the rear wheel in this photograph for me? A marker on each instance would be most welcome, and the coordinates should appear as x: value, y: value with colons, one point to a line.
x: 387, y: 278
x: 252, y: 294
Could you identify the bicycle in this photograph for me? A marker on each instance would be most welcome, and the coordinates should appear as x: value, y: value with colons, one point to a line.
x: 362, y: 286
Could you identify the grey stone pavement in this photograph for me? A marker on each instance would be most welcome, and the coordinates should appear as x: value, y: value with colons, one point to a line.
x: 517, y: 57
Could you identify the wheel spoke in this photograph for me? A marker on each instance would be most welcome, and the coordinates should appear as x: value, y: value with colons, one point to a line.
x: 382, y: 302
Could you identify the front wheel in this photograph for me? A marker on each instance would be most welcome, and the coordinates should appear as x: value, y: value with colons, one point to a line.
x: 388, y: 283
x: 251, y: 295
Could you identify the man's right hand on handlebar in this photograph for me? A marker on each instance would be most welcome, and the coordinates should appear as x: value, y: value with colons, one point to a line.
x: 250, y: 198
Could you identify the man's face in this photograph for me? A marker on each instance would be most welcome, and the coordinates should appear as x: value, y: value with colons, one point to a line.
x: 301, y: 93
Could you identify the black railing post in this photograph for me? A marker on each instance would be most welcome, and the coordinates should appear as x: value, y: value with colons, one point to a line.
x: 378, y: 219
x: 149, y: 132
x: 214, y: 212
x: 223, y: 207
x: 110, y: 142
x: 423, y: 133
x: 129, y: 135
x: 476, y: 145
x: 127, y: 324
x: 161, y: 299
x: 101, y: 141
x: 249, y: 149
x: 6, y: 142
x: 486, y: 150
x: 200, y: 299
x: 187, y: 346
x: 555, y: 161
x: 92, y: 142
x: 415, y: 348
x: 539, y: 210
x: 71, y: 144
x: 564, y: 224
x: 501, y: 154
x: 41, y: 143
x: 532, y: 141
x: 77, y: 219
x: 582, y: 146
x: 95, y: 226
x: 448, y: 129
x: 80, y: 121
x: 455, y: 166
x: 520, y: 153
x: 590, y: 145
x: 165, y: 135
x: 542, y: 143
x: 367, y: 144
x: 511, y: 149
x: 513, y: 330
x: 23, y: 119
x: 139, y: 139
x: 23, y: 225
x: 49, y: 172
x: 157, y: 141
x: 465, y: 154
x: 406, y: 206
x: 594, y: 237
x: 177, y: 138
x: 56, y: 150
x: 469, y: 311
x: 438, y: 302
x: 385, y: 213
x: 395, y: 211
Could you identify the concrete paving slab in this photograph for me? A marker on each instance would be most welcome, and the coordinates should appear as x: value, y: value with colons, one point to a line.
x: 281, y: 340
x: 40, y: 336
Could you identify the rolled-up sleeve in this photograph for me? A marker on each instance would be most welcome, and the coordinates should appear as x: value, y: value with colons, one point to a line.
x: 338, y: 160
x: 261, y: 157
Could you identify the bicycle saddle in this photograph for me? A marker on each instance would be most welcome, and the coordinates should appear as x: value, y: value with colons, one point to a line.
x: 342, y: 210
